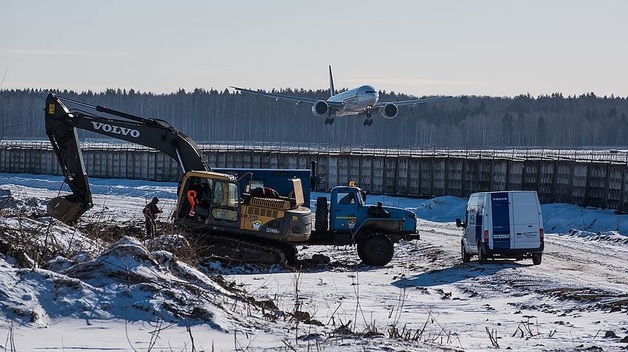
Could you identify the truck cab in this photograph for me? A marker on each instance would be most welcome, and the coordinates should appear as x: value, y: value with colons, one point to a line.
x: 346, y: 203
x: 348, y: 220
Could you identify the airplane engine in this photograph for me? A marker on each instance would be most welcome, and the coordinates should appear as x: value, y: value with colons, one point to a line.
x: 320, y: 108
x: 390, y: 111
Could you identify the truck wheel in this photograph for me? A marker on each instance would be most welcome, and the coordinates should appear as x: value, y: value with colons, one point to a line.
x: 466, y: 257
x: 481, y: 255
x: 322, y: 211
x: 376, y: 250
x: 536, y: 258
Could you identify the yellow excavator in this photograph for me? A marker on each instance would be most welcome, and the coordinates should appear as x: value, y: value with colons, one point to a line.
x: 250, y: 225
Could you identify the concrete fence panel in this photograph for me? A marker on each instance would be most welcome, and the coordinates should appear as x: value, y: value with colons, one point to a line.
x: 585, y: 182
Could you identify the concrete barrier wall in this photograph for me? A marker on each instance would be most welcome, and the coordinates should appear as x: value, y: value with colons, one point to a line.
x: 600, y: 184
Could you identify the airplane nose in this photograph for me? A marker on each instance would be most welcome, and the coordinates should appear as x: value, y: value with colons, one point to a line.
x: 373, y: 98
x: 367, y: 95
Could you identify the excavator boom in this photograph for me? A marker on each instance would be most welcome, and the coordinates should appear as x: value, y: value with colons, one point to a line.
x: 61, y: 125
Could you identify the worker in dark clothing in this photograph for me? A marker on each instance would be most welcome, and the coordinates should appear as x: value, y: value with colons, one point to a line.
x: 150, y: 213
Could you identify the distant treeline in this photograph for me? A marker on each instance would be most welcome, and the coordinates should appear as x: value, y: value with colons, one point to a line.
x: 552, y: 121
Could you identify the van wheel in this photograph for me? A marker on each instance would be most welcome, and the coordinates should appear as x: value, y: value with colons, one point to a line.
x: 536, y: 258
x: 481, y: 255
x: 466, y: 257
x: 376, y: 250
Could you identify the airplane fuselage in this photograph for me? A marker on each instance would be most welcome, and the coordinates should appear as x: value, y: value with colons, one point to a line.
x: 355, y: 101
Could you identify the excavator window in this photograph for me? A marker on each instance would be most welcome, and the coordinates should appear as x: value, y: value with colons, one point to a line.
x: 225, y: 201
x: 197, y: 198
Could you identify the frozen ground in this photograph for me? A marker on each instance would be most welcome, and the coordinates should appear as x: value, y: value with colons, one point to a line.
x: 129, y: 295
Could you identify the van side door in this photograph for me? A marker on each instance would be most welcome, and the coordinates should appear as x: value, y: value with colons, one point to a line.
x: 474, y: 218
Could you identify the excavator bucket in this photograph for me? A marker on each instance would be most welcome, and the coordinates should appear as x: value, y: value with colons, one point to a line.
x: 66, y: 210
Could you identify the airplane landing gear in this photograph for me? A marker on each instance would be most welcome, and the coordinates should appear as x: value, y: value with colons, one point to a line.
x: 369, y: 120
x: 329, y: 120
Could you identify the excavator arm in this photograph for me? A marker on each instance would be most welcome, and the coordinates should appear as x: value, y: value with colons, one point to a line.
x: 61, y: 125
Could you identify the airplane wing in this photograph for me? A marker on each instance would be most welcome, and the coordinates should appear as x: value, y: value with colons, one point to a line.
x: 278, y: 96
x: 411, y: 102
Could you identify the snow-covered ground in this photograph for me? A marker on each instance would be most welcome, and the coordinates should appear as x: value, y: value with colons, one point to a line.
x: 131, y: 295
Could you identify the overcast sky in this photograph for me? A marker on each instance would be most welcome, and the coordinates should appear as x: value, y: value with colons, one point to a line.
x: 496, y: 48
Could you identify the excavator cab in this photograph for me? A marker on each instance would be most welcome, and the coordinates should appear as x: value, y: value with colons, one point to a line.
x: 211, y: 201
x: 208, y: 198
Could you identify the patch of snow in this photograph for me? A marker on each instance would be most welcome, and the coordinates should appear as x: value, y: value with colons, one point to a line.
x: 132, y: 294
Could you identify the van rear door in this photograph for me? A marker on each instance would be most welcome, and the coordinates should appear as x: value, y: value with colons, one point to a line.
x: 526, y: 220
x: 501, y: 229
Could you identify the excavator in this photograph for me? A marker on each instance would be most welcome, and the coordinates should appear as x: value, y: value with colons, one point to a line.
x: 225, y: 221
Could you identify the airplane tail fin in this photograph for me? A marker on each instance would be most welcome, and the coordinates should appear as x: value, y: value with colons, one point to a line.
x: 332, y: 91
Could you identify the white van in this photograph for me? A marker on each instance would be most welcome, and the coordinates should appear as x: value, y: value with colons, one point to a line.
x: 505, y: 224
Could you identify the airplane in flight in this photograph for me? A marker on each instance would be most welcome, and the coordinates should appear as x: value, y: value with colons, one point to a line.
x: 362, y: 100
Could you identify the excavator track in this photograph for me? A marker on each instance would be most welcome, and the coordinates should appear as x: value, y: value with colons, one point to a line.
x: 238, y: 250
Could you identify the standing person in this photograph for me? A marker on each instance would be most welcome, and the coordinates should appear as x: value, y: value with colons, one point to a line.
x: 150, y: 213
